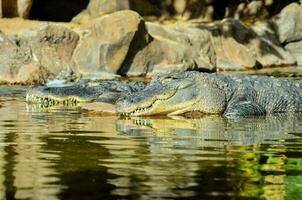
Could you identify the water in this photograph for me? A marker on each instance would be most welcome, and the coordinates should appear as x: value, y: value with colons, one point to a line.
x: 61, y: 153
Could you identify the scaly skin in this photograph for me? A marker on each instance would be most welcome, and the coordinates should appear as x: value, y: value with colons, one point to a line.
x: 83, y: 91
x: 215, y: 94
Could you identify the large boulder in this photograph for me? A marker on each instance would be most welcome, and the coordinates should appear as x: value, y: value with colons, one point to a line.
x: 98, y: 8
x: 288, y: 23
x: 16, y: 65
x: 240, y: 47
x: 51, y: 47
x: 108, y: 41
x: 296, y: 49
x: 24, y: 7
x: 173, y: 48
x: 163, y: 56
x: 229, y: 43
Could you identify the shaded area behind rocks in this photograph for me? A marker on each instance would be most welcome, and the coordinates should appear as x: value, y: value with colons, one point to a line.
x: 58, y: 10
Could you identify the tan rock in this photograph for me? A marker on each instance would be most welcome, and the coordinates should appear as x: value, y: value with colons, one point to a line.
x: 230, y: 47
x: 296, y: 49
x: 98, y: 8
x: 31, y: 73
x: 265, y: 30
x: 51, y: 46
x: 24, y: 7
x: 288, y: 23
x: 16, y: 66
x: 107, y: 41
x: 173, y: 48
x: 243, y: 47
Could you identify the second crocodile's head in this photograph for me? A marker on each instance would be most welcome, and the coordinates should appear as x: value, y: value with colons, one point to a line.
x: 172, y: 95
x: 108, y: 91
x: 61, y: 95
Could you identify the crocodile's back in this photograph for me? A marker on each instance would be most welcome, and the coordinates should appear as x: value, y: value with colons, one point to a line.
x: 277, y: 95
x: 273, y: 95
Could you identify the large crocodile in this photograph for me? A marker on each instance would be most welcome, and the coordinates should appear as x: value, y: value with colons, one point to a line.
x: 214, y: 93
x: 182, y: 93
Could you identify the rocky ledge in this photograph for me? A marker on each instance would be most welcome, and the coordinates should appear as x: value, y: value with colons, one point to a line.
x: 123, y: 43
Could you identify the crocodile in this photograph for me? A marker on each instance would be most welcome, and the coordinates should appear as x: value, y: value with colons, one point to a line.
x: 228, y: 95
x: 108, y: 91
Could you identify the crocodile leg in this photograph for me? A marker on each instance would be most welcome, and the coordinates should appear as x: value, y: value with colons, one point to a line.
x: 244, y: 108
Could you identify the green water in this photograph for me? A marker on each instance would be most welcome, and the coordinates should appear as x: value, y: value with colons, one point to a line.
x: 64, y: 154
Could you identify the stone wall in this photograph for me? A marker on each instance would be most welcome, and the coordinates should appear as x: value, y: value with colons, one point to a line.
x: 123, y: 43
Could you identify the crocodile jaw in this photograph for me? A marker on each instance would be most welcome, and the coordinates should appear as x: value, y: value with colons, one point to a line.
x: 161, y: 107
x: 51, y: 100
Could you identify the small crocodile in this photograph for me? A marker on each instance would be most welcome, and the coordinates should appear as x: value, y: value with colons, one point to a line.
x: 108, y: 91
x: 230, y: 96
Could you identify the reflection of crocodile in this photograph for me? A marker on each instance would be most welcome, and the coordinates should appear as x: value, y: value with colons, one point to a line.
x: 214, y: 93
x: 84, y: 91
x: 213, y: 130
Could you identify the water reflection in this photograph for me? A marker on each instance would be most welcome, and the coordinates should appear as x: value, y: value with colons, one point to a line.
x: 219, y: 152
x: 63, y: 154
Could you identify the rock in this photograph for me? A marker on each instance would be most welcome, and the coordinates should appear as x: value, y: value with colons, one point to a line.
x: 15, y: 26
x: 159, y: 58
x: 266, y: 30
x: 241, y: 45
x: 15, y: 8
x: 108, y: 41
x: 296, y: 49
x: 24, y: 7
x: 98, y: 8
x: 229, y: 42
x: 31, y: 73
x: 288, y: 23
x: 51, y: 47
x: 16, y: 66
x: 173, y: 48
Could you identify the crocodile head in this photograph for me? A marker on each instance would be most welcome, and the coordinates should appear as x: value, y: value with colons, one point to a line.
x: 84, y: 91
x: 69, y: 95
x: 169, y: 95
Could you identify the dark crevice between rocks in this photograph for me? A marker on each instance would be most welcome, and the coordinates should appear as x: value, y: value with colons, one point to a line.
x: 56, y: 10
x: 219, y: 9
x: 277, y: 6
x: 136, y: 45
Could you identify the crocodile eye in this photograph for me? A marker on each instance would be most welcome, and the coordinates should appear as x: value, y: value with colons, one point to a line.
x: 166, y: 79
x: 185, y: 84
